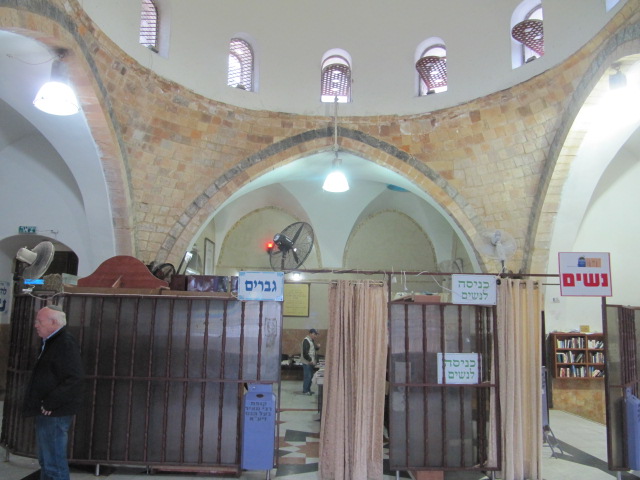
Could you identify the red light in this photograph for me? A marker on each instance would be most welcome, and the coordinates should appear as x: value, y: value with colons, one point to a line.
x: 269, y: 246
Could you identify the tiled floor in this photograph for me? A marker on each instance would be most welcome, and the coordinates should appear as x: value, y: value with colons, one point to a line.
x: 583, y: 444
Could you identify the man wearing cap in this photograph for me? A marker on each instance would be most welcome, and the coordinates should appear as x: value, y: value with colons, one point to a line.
x: 54, y: 394
x: 308, y: 359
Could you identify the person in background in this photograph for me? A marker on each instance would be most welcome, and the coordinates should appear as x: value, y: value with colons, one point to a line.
x: 54, y: 394
x: 308, y: 358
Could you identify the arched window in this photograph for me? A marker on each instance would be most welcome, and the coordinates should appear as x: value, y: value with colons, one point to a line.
x: 432, y: 68
x: 149, y: 25
x: 240, y: 65
x: 527, y: 32
x: 336, y: 79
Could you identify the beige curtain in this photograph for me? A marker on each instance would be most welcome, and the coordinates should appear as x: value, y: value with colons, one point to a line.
x: 519, y: 312
x: 354, y: 383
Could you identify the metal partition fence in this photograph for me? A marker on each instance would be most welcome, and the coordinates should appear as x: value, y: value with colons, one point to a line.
x: 435, y: 422
x: 621, y: 327
x: 166, y: 376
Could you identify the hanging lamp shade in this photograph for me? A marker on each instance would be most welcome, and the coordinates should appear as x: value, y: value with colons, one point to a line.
x: 56, y: 97
x: 335, y: 182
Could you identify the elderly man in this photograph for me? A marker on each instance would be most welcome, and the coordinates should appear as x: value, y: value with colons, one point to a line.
x: 54, y: 394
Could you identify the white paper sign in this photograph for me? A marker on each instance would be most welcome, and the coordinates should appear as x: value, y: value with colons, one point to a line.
x: 473, y: 289
x: 267, y: 286
x: 5, y: 301
x: 584, y: 274
x: 459, y: 368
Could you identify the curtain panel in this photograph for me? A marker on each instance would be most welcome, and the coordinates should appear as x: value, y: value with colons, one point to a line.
x: 519, y: 313
x: 354, y: 385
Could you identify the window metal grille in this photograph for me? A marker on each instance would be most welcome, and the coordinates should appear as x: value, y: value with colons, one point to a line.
x: 432, y: 68
x: 336, y: 80
x: 240, y: 65
x: 530, y: 33
x: 149, y: 25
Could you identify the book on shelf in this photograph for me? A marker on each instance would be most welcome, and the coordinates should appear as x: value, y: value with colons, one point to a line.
x: 595, y: 372
x: 596, y: 344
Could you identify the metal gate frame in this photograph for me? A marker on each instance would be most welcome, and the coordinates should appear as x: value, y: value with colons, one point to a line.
x: 165, y: 377
x: 440, y: 426
x: 621, y: 325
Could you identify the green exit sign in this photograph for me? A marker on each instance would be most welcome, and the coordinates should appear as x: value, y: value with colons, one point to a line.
x: 26, y: 229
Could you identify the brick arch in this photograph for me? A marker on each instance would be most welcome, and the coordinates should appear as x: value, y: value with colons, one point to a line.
x: 300, y: 146
x: 56, y: 28
x: 555, y: 173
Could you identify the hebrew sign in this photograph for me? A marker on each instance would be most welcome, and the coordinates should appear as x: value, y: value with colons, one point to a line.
x: 473, y: 289
x: 584, y: 274
x: 5, y: 301
x: 264, y: 286
x: 459, y: 368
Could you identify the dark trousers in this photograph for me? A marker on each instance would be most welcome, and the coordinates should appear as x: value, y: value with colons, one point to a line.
x: 307, y: 370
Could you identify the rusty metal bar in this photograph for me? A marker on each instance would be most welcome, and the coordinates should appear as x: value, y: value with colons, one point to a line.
x: 425, y: 369
x: 443, y: 403
x: 407, y: 376
x: 145, y: 450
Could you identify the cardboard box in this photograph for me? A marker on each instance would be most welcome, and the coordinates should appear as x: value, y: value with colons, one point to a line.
x: 417, y: 298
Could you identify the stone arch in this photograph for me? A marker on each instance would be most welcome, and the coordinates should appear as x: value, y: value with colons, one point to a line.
x: 307, y: 143
x: 555, y: 172
x: 56, y: 28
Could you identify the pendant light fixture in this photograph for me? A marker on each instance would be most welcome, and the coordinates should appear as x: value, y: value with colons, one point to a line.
x: 56, y: 97
x: 336, y: 182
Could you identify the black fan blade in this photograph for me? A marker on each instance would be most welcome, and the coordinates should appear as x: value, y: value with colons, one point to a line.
x: 295, y: 237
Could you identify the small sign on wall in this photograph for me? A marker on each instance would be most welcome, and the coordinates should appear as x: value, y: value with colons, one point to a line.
x: 296, y: 300
x: 459, y: 368
x: 5, y: 301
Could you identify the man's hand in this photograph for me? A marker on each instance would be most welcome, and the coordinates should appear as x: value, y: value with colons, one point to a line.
x: 45, y: 412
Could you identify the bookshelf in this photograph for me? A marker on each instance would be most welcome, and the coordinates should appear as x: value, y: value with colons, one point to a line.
x: 577, y: 355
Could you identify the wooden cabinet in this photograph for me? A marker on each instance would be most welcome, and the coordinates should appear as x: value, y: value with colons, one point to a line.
x: 576, y: 355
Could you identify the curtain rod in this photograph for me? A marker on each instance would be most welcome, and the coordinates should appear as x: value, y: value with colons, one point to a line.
x: 416, y: 273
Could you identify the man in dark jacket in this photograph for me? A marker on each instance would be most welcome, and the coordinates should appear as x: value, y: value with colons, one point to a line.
x: 54, y: 394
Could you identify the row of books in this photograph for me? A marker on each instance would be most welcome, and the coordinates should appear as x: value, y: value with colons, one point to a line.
x: 570, y: 357
x: 578, y: 342
x: 578, y: 357
x: 580, y: 371
x: 571, y: 342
